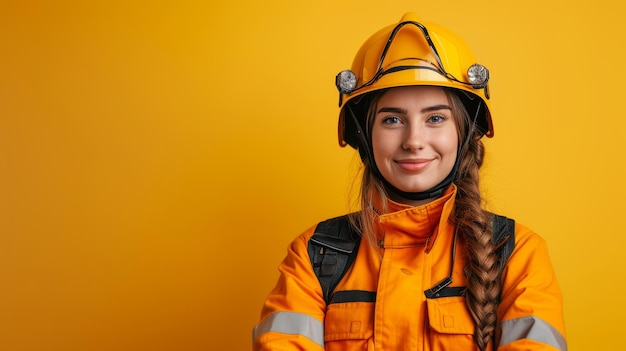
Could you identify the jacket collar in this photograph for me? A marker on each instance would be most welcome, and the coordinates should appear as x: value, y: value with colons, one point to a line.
x: 407, y: 226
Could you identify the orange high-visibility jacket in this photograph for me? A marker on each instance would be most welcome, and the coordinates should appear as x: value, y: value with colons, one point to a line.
x: 416, y: 255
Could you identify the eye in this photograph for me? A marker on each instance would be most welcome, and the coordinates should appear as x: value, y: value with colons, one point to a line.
x: 437, y: 119
x: 391, y: 120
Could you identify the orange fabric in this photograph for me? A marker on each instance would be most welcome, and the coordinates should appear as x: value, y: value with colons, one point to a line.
x: 416, y: 256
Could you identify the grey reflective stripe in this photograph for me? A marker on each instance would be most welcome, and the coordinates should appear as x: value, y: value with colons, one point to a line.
x: 291, y: 323
x: 532, y: 328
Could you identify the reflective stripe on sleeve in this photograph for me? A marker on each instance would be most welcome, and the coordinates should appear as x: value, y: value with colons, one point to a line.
x: 291, y: 323
x: 532, y: 328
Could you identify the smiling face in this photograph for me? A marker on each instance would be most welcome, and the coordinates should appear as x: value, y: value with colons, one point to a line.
x: 414, y: 137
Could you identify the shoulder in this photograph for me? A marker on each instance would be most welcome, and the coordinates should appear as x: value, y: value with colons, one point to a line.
x: 527, y: 238
x: 530, y: 258
x: 330, y: 226
x: 524, y: 236
x: 526, y: 242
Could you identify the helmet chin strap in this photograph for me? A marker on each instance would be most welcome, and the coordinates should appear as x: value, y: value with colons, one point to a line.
x: 437, y: 191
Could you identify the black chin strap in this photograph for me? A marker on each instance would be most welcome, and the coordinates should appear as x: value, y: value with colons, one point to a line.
x: 365, y: 151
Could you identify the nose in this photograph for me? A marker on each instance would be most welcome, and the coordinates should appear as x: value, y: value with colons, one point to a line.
x: 414, y: 138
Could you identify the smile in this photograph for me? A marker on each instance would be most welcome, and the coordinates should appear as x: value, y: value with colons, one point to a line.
x: 414, y: 165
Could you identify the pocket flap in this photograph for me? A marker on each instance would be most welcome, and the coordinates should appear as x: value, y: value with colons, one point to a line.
x: 353, y: 320
x: 449, y: 315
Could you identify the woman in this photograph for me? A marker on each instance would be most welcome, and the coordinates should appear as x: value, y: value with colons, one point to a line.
x: 429, y: 274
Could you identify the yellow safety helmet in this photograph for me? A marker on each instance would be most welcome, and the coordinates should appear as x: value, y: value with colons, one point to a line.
x: 411, y: 52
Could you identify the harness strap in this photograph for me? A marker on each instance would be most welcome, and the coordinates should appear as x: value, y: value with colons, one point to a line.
x: 332, y: 249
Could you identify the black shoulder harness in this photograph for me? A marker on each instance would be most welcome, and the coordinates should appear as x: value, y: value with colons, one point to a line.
x: 332, y: 249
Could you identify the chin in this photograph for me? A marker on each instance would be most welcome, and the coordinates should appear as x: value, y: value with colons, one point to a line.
x: 413, y: 187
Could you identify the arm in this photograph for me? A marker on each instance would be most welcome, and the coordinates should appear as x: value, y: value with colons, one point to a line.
x: 293, y: 314
x: 531, y: 310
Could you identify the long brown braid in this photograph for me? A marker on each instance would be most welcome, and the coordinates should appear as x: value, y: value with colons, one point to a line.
x: 474, y: 227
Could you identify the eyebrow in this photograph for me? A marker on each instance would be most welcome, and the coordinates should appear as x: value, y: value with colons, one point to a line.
x: 392, y: 109
x: 404, y: 111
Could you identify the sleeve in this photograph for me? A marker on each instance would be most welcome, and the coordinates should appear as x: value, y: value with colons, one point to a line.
x: 292, y: 317
x: 531, y: 309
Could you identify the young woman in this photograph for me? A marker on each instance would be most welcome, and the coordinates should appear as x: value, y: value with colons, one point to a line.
x: 430, y: 272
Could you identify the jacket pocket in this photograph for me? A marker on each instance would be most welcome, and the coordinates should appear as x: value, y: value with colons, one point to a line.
x: 349, y: 326
x: 450, y: 324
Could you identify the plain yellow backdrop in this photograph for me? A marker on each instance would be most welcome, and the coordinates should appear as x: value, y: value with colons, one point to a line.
x: 156, y: 158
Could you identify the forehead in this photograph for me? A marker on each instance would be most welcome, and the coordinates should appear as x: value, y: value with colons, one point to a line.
x: 419, y: 94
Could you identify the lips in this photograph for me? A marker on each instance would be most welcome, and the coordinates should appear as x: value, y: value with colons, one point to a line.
x: 414, y: 165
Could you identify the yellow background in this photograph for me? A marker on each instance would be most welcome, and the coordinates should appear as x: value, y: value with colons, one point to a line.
x: 157, y: 157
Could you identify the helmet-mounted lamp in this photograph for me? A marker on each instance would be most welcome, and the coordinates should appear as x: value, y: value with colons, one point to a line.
x: 478, y: 76
x: 346, y: 81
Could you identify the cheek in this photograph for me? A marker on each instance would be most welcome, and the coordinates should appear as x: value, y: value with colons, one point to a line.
x: 453, y: 146
x: 448, y: 144
x: 382, y: 144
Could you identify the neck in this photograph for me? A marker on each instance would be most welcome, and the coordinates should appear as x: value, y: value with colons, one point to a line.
x: 414, y: 203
